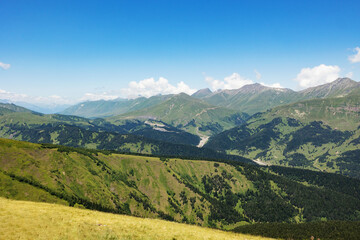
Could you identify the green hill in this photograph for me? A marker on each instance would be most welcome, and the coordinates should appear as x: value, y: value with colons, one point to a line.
x: 73, y: 136
x: 29, y: 220
x: 319, y: 134
x: 329, y: 230
x: 14, y: 124
x: 207, y: 193
x: 150, y: 137
x: 103, y: 108
x: 251, y: 98
x: 188, y: 113
x: 9, y: 107
x: 340, y: 113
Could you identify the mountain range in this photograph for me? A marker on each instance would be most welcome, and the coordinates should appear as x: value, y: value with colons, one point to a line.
x: 187, y: 113
x: 210, y: 159
x: 258, y: 98
x: 319, y: 133
x: 250, y: 99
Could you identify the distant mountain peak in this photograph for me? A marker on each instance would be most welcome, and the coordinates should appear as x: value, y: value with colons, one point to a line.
x: 14, y: 108
x: 180, y: 95
x: 343, y: 81
x: 202, y: 93
x: 254, y: 86
x: 339, y: 87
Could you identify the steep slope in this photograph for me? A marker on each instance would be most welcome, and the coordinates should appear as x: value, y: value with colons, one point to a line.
x: 149, y: 137
x: 326, y: 230
x: 74, y: 136
x: 341, y: 112
x: 12, y: 122
x: 189, y: 114
x: 9, y: 107
x: 193, y: 191
x: 103, y: 108
x: 320, y: 134
x: 251, y: 98
x: 202, y: 93
x: 338, y: 88
x: 258, y: 98
x: 49, y: 221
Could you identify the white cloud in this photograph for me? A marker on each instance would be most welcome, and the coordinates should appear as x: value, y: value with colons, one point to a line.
x: 150, y: 87
x: 309, y: 77
x: 147, y: 88
x: 257, y: 74
x: 41, y: 101
x: 349, y: 74
x: 98, y: 96
x: 5, y: 66
x: 274, y: 85
x: 356, y: 57
x: 233, y: 81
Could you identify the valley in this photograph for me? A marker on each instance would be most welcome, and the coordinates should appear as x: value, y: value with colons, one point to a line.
x: 187, y: 161
x: 179, y: 120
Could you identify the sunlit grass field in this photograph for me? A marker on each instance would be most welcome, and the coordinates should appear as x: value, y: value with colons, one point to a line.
x: 30, y: 220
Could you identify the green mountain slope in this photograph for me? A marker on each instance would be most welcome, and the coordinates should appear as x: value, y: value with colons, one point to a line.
x: 189, y: 114
x: 74, y: 136
x: 103, y: 108
x: 150, y: 137
x: 258, y: 98
x: 31, y: 220
x: 9, y: 108
x: 11, y: 121
x: 202, y: 93
x: 341, y: 112
x: 193, y: 191
x: 251, y: 98
x: 320, y: 134
x: 338, y: 88
x: 329, y: 230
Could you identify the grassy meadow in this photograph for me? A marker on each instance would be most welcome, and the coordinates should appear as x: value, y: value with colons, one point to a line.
x: 206, y: 193
x: 30, y: 220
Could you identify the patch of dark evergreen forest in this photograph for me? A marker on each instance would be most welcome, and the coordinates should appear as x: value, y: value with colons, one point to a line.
x: 329, y: 230
x: 349, y: 163
x: 317, y: 134
x: 317, y: 203
x: 73, y: 136
x: 332, y: 181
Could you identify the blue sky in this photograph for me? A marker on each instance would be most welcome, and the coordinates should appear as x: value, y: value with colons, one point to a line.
x: 68, y: 51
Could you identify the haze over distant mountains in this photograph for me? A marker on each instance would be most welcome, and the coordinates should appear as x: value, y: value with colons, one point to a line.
x: 41, y: 108
x: 316, y: 128
x: 249, y: 99
x: 257, y: 98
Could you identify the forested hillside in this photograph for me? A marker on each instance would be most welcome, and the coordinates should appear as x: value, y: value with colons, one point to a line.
x: 189, y: 114
x: 217, y: 194
x: 321, y: 134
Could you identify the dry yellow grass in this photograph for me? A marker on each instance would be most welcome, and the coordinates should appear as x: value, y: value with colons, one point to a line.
x: 30, y: 220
